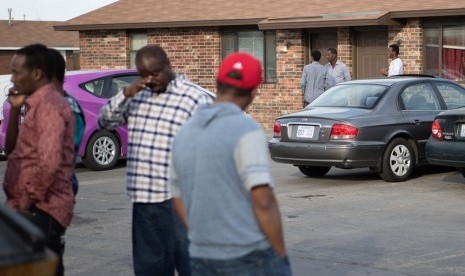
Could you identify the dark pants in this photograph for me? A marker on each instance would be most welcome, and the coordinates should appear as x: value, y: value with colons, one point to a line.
x: 54, y: 234
x: 159, y: 240
x: 257, y: 263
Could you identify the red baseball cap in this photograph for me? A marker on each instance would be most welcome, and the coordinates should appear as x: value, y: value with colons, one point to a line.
x: 241, y: 70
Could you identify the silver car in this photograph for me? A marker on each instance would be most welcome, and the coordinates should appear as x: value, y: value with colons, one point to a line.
x: 382, y: 124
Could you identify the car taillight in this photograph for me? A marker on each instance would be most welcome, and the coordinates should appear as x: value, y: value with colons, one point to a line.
x: 343, y: 132
x: 436, y: 130
x: 277, y: 129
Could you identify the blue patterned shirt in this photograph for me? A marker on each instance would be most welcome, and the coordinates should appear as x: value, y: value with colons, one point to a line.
x: 153, y: 120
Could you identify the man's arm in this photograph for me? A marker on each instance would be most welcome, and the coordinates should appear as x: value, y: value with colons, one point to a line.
x: 16, y: 102
x: 114, y: 113
x: 303, y: 80
x: 268, y: 216
x: 178, y: 206
x: 346, y: 73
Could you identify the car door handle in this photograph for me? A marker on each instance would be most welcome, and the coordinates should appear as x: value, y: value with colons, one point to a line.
x: 415, y: 122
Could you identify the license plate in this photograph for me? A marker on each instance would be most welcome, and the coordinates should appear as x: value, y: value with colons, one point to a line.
x: 462, y: 130
x: 305, y: 131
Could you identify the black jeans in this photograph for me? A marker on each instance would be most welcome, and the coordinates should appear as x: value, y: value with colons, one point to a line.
x: 54, y: 234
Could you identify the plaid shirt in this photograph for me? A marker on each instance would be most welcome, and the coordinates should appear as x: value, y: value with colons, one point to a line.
x: 153, y: 120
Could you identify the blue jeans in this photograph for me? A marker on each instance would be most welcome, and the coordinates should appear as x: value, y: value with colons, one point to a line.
x: 159, y: 240
x: 257, y: 263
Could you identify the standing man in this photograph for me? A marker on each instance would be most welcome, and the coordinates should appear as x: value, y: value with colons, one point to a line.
x: 315, y: 78
x: 336, y: 68
x: 38, y: 175
x: 222, y: 186
x: 395, y: 67
x: 154, y: 107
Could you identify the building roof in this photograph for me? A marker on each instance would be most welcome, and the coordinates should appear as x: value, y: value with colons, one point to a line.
x: 130, y: 14
x: 22, y: 33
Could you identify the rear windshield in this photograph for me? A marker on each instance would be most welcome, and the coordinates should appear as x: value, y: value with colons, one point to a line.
x: 351, y: 95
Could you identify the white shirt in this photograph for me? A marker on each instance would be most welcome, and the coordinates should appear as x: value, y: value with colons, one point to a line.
x: 396, y: 67
x: 340, y: 72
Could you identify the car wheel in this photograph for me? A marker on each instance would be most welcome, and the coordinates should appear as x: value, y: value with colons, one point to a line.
x: 398, y: 161
x: 314, y: 170
x: 102, y: 152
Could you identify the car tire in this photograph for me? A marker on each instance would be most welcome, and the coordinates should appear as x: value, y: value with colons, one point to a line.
x: 102, y: 151
x: 314, y: 171
x: 398, y: 161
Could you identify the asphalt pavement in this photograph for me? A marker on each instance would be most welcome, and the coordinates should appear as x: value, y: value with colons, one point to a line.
x: 349, y: 222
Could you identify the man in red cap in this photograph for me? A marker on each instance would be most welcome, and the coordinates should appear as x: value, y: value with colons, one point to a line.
x: 222, y: 185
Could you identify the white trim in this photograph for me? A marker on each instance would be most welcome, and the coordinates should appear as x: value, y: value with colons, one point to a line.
x: 56, y: 48
x: 453, y: 47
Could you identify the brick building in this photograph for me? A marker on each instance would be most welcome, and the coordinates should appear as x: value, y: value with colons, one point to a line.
x: 16, y: 34
x: 198, y: 34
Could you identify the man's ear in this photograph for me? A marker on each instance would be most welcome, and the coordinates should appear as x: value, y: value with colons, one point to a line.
x: 37, y: 74
x: 253, y: 94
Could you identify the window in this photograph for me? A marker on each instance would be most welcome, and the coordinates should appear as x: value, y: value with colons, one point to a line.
x: 118, y: 84
x: 420, y: 97
x: 453, y: 96
x: 261, y: 44
x: 136, y: 41
x: 94, y: 87
x: 445, y: 51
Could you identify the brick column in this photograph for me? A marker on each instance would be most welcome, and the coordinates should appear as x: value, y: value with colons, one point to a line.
x: 410, y: 38
x: 345, y: 48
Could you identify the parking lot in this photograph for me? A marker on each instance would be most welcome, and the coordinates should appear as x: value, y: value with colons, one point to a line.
x: 349, y: 222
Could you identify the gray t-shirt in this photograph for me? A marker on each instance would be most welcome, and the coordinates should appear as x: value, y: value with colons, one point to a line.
x: 219, y: 156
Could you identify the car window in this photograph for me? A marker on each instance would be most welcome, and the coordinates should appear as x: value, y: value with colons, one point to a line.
x: 94, y: 87
x: 351, y: 95
x: 119, y: 82
x: 420, y: 96
x: 454, y: 96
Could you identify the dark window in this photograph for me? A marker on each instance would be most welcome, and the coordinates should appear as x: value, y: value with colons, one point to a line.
x: 453, y: 95
x: 420, y: 97
x: 261, y: 44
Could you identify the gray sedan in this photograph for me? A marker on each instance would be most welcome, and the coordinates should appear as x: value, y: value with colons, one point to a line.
x: 382, y: 124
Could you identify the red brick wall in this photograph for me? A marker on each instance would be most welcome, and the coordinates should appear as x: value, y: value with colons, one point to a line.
x: 103, y: 49
x: 411, y: 46
x: 345, y: 48
x: 195, y: 52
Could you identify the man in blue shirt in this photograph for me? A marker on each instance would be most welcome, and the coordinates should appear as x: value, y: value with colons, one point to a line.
x: 221, y: 182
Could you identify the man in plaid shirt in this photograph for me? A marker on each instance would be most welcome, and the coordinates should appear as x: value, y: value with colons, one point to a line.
x: 154, y: 107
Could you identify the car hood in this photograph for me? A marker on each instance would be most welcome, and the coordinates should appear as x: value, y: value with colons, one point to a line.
x: 335, y: 113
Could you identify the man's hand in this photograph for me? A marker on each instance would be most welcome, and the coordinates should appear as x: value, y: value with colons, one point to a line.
x: 384, y: 71
x: 137, y: 85
x: 16, y: 98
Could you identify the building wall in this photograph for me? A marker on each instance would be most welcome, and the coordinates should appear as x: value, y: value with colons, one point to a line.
x: 410, y: 37
x: 197, y: 53
x: 345, y: 48
x: 5, y: 58
x: 284, y: 96
x: 104, y: 49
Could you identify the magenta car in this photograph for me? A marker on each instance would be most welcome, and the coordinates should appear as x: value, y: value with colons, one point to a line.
x: 100, y: 149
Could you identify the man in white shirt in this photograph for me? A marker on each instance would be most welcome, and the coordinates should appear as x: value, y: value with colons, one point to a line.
x: 336, y: 68
x: 395, y: 67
